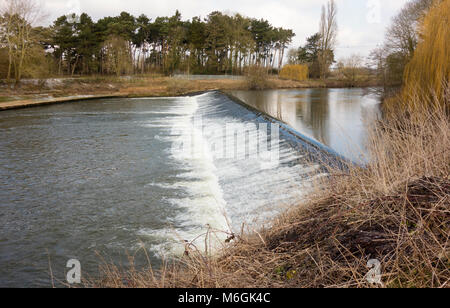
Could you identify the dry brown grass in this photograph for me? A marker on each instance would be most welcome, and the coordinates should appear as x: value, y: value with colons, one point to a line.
x: 396, y: 210
x: 136, y: 86
x: 142, y: 86
x: 133, y: 86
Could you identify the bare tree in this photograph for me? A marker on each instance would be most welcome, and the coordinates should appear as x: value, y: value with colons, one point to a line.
x: 328, y: 33
x: 17, y: 19
x: 351, y: 69
x: 118, y: 55
x: 400, y: 43
x: 403, y: 35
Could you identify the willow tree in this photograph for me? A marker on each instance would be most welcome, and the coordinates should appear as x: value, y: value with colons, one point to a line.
x: 428, y: 72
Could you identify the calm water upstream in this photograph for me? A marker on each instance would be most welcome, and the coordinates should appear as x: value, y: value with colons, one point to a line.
x: 103, y: 176
x: 337, y: 118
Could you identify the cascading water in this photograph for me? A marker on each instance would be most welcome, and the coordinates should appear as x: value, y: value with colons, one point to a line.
x: 223, y: 191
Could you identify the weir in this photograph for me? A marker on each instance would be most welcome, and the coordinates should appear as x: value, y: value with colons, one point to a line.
x: 224, y: 191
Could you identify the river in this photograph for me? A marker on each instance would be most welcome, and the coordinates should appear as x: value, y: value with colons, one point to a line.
x: 113, y: 176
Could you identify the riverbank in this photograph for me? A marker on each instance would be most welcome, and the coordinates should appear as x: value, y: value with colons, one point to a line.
x: 393, y: 214
x: 61, y: 90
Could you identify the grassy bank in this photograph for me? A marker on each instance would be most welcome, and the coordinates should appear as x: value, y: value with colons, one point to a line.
x: 138, y: 86
x: 396, y: 210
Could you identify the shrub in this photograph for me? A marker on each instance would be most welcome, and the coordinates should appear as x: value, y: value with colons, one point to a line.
x: 297, y: 72
x: 257, y: 78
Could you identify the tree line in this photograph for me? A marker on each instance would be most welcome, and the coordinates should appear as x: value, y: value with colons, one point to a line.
x: 125, y: 44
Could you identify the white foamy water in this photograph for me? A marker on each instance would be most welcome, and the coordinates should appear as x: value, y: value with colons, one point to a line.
x: 222, y: 190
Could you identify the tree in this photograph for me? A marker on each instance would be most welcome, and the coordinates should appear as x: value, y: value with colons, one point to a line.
x: 175, y: 39
x: 87, y: 45
x: 217, y: 41
x: 284, y: 39
x: 400, y: 44
x: 428, y: 73
x: 350, y: 69
x: 402, y: 36
x: 17, y: 18
x: 159, y: 32
x: 141, y: 39
x: 220, y: 43
x: 117, y: 55
x: 309, y: 55
x: 65, y: 41
x: 196, y: 37
x: 328, y: 34
x: 262, y: 35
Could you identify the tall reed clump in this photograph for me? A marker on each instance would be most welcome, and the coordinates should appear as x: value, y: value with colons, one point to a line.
x: 297, y: 72
x: 428, y: 73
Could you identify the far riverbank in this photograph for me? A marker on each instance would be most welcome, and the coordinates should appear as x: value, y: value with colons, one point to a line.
x: 59, y: 90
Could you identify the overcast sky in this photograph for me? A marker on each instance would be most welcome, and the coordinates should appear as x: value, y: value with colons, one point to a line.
x: 362, y: 23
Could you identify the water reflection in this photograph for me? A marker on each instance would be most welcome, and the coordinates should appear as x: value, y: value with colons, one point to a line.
x: 338, y: 118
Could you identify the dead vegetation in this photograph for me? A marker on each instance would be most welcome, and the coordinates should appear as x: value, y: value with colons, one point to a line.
x: 133, y: 86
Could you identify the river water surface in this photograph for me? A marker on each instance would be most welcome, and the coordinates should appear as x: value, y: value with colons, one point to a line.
x: 102, y: 176
x: 338, y: 118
